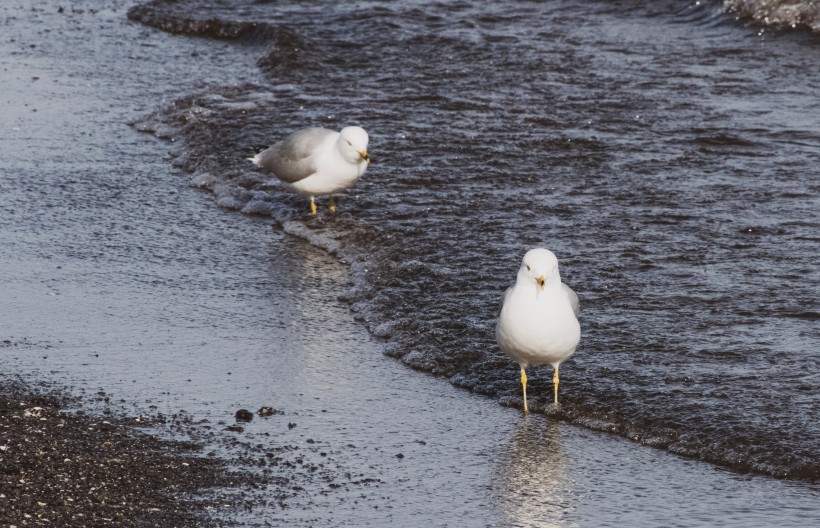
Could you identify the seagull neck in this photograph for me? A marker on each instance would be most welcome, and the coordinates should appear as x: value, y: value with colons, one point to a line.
x: 553, y: 284
x: 526, y: 284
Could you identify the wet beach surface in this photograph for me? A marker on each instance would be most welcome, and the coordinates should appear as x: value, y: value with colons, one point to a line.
x: 118, y: 276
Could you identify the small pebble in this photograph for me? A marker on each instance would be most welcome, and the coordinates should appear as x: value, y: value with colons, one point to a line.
x: 244, y: 415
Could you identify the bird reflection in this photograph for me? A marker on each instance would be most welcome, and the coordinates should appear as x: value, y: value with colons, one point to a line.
x: 533, y: 481
x: 305, y: 269
x: 312, y: 324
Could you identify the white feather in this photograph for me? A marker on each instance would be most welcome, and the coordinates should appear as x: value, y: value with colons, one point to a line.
x: 538, y: 325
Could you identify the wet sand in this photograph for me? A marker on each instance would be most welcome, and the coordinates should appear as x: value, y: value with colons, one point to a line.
x: 118, y: 277
x: 72, y: 469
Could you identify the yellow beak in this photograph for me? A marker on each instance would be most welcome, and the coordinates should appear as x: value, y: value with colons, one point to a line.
x: 541, y: 282
x: 364, y: 156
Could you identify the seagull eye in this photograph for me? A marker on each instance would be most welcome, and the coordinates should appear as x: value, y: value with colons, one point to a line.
x: 349, y: 143
x: 528, y: 267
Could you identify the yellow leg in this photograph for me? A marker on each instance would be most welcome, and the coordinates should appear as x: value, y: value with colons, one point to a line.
x: 332, y: 205
x: 555, y: 384
x: 524, y: 384
x: 312, y: 206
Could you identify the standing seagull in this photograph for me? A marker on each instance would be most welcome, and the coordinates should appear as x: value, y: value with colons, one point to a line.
x: 317, y: 161
x: 538, y: 323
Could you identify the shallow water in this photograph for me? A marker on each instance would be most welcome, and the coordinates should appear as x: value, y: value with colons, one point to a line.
x: 666, y: 153
x: 117, y: 277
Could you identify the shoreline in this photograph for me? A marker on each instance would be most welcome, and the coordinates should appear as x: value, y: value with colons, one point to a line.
x: 203, y: 125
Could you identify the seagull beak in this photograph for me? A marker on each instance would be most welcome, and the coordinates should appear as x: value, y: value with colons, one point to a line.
x: 364, y: 156
x: 541, y: 282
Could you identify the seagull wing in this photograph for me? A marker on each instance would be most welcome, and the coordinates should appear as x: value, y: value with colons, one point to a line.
x: 293, y: 158
x: 573, y: 299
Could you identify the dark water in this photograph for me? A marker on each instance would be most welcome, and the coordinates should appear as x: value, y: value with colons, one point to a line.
x: 665, y: 151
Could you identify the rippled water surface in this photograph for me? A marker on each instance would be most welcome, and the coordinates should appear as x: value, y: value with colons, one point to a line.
x: 666, y: 153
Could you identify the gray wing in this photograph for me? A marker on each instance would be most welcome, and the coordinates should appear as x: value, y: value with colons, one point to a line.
x: 292, y: 159
x: 573, y: 299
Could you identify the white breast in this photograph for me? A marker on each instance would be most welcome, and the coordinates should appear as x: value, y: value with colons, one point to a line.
x: 333, y: 174
x: 538, y: 329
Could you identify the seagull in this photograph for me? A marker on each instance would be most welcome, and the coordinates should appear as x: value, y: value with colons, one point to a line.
x: 317, y: 161
x: 538, y: 322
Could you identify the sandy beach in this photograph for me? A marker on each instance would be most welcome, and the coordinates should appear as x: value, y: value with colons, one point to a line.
x: 119, y: 277
x: 72, y: 469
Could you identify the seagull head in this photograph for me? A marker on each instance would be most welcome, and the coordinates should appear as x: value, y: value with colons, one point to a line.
x: 540, y: 268
x: 353, y: 144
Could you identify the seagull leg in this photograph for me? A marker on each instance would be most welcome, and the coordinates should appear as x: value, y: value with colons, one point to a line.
x: 555, y: 384
x: 332, y: 205
x: 524, y: 384
x: 312, y: 206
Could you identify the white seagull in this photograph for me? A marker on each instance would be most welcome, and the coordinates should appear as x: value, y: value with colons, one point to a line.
x: 538, y: 323
x: 317, y: 161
